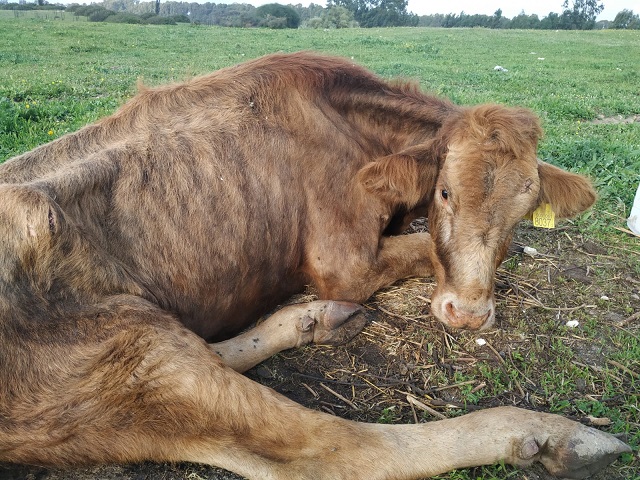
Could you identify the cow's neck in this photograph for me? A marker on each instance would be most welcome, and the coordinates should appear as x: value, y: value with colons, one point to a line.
x: 393, y: 121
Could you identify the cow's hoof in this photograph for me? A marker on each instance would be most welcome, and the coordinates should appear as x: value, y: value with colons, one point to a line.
x: 339, y: 323
x: 331, y: 323
x: 582, y: 454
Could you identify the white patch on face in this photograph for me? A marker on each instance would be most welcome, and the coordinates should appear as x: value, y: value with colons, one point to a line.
x: 474, y: 266
x: 445, y: 231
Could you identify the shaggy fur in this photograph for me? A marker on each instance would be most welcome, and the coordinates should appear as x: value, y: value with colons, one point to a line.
x: 198, y: 207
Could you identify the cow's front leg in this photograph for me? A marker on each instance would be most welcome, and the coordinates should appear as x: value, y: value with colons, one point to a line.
x: 357, y: 276
x: 321, y: 322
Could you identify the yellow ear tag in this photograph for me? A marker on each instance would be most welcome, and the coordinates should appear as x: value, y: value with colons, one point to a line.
x: 543, y: 216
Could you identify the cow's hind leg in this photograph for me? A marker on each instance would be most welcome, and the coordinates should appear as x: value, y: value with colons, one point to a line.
x: 133, y: 384
x: 125, y: 382
x: 320, y: 322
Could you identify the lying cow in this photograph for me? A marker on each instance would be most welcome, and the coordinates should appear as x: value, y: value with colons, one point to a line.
x: 198, y: 207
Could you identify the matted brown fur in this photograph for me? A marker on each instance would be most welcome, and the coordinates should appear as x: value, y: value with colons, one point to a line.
x: 196, y: 208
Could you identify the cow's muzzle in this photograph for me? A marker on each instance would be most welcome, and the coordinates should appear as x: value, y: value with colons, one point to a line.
x: 457, y: 313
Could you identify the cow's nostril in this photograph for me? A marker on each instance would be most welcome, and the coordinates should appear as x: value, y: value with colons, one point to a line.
x: 451, y: 310
x: 462, y: 318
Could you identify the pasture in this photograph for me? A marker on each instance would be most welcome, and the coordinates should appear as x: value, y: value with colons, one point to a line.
x: 59, y: 74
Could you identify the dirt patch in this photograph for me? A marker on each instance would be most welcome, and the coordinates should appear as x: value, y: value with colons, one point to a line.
x: 532, y: 359
x: 616, y: 119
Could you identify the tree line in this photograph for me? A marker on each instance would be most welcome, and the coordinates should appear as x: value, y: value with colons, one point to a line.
x: 579, y: 14
x: 567, y: 20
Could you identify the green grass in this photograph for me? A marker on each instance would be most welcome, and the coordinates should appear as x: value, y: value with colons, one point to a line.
x: 57, y: 75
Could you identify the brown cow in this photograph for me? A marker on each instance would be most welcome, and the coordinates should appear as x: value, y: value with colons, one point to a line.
x: 196, y: 208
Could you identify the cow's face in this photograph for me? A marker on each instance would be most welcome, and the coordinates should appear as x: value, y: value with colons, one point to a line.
x: 489, y: 179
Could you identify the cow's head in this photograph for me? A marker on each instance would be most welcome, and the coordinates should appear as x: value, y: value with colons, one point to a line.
x: 489, y: 178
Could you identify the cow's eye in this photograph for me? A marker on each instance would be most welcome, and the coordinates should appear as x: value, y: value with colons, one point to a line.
x: 445, y: 194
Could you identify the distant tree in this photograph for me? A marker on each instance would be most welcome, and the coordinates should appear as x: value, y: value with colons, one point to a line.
x: 100, y: 15
x: 582, y: 14
x: 307, y: 13
x: 158, y: 20
x: 357, y: 7
x: 497, y: 20
x: 272, y: 11
x: 334, y: 17
x: 378, y: 13
x: 524, y: 21
x: 451, y: 20
x: 180, y: 18
x: 273, y: 22
x: 431, y: 20
x: 626, y: 20
x: 124, y: 17
x: 115, y: 5
x: 225, y: 15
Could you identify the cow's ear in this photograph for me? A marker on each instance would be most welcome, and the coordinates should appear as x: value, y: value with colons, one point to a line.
x: 568, y: 193
x: 394, y: 179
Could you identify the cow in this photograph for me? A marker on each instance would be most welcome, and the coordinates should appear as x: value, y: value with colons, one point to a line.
x: 197, y: 207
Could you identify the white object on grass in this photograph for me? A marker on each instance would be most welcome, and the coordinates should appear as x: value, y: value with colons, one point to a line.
x: 634, y: 218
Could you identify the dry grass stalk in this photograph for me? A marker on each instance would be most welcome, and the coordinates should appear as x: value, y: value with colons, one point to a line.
x: 337, y: 395
x: 417, y: 403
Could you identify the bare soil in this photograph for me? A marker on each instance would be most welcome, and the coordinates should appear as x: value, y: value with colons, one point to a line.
x: 616, y: 119
x: 405, y: 351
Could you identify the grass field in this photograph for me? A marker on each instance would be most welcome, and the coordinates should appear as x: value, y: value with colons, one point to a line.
x: 57, y: 75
